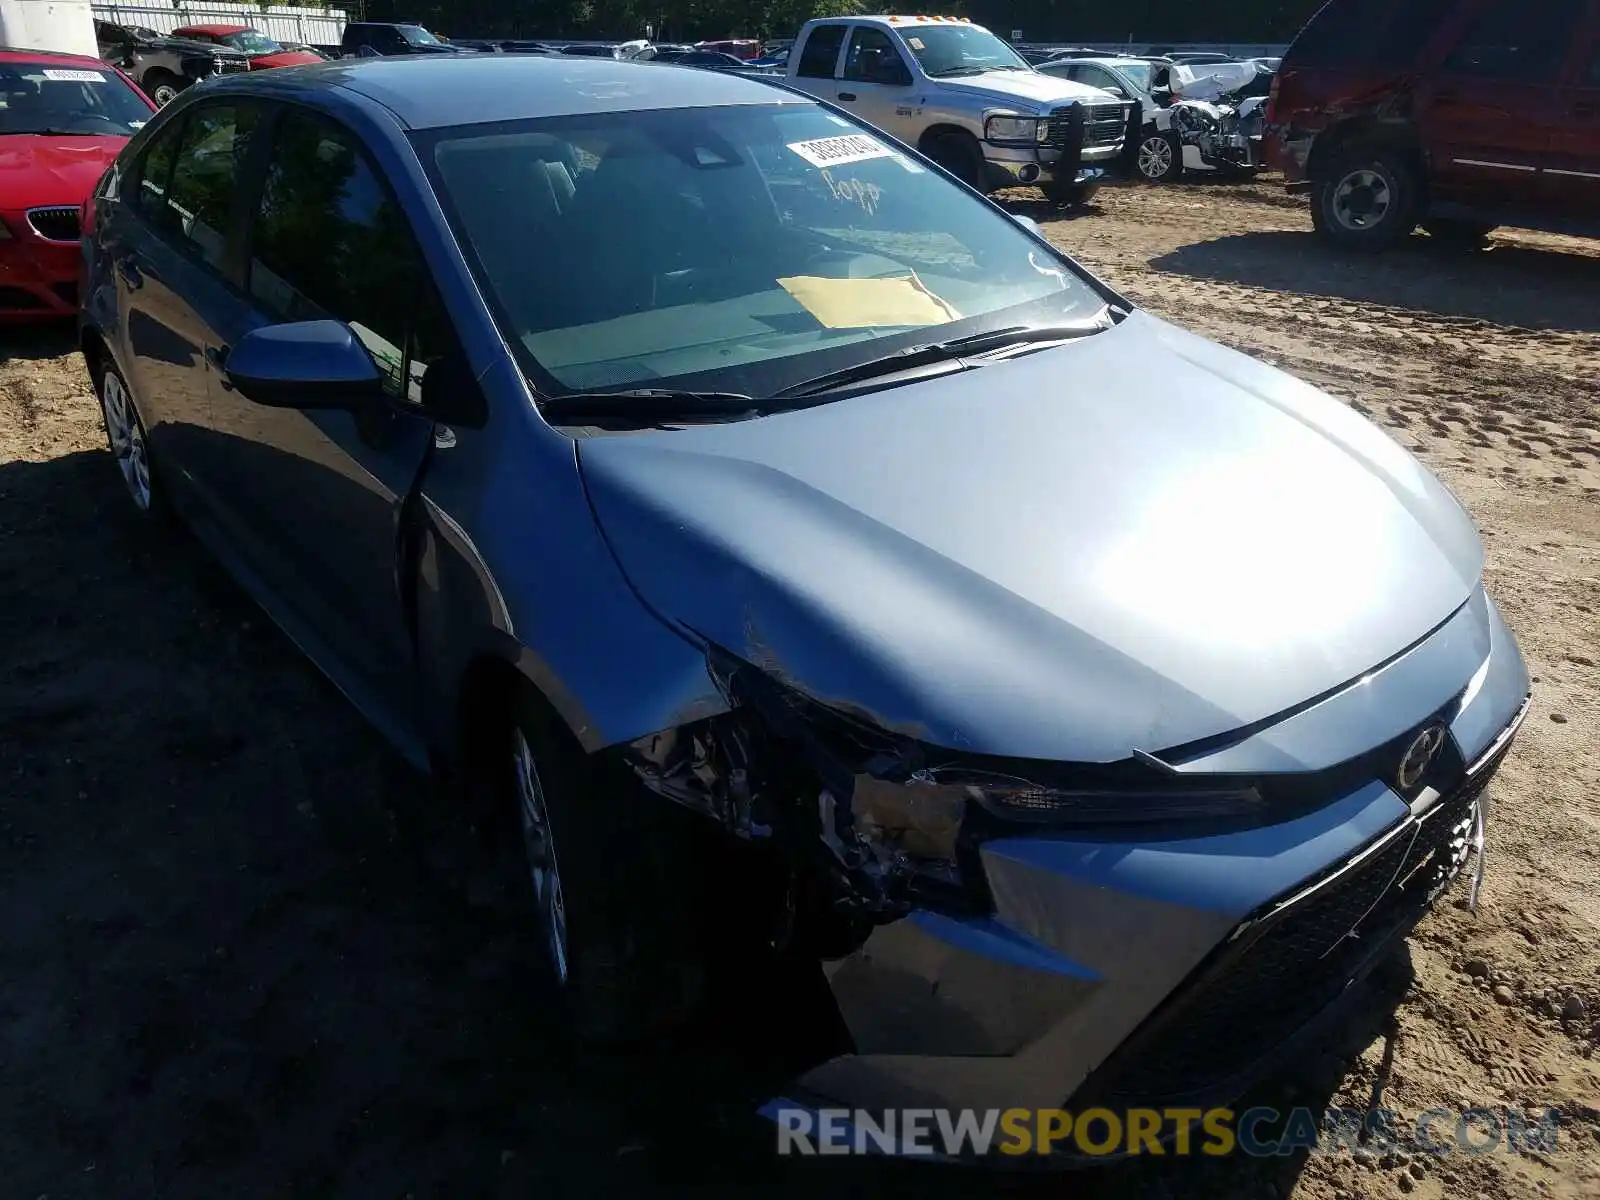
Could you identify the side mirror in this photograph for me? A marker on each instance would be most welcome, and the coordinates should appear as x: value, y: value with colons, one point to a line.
x: 1028, y: 223
x: 307, y: 364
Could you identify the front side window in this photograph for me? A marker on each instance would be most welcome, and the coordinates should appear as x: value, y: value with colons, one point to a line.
x: 738, y: 248
x: 821, y: 52
x: 1508, y: 40
x: 873, y: 58
x: 947, y: 51
x: 68, y: 101
x: 329, y: 240
x: 194, y: 195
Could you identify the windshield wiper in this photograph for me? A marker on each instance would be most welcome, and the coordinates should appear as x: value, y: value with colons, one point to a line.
x: 70, y: 133
x: 949, y: 72
x: 913, y: 357
x: 649, y: 406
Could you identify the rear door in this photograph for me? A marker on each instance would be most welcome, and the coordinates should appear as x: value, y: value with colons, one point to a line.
x: 315, y: 497
x: 1491, y: 111
x: 174, y: 247
x: 1575, y: 162
x: 876, y: 84
x: 816, y: 70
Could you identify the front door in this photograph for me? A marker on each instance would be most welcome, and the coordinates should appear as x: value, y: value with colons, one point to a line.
x: 173, y: 244
x: 876, y: 84
x: 316, y: 495
x: 1492, y: 110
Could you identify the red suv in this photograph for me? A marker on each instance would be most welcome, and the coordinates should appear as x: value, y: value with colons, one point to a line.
x: 1456, y: 115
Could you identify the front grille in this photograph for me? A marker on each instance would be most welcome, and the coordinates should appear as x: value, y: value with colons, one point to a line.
x: 1278, y: 972
x: 228, y: 66
x: 58, y: 223
x: 1102, y: 125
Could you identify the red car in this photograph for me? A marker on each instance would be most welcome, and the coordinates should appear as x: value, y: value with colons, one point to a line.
x: 263, y: 51
x: 63, y: 118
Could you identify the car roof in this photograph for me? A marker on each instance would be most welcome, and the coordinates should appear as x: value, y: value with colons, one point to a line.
x: 213, y: 30
x: 52, y: 57
x: 436, y: 91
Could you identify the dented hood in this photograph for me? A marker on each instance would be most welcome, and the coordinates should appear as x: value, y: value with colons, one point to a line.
x: 45, y: 169
x: 1133, y: 541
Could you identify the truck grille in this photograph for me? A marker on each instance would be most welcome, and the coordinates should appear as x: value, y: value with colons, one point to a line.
x: 228, y: 66
x: 1103, y: 125
x: 1269, y: 980
x: 57, y: 223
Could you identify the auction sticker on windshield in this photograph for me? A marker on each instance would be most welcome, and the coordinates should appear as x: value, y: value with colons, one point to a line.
x: 836, y: 151
x: 61, y: 75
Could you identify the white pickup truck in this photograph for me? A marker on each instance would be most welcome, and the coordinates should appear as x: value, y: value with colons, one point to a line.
x: 965, y: 99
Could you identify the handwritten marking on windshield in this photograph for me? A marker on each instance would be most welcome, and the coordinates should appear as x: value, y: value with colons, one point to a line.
x: 856, y: 191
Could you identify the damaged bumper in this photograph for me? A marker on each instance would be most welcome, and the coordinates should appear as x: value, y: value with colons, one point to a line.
x: 1159, y: 971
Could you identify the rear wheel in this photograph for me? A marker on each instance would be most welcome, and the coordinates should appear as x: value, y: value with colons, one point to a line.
x: 1459, y: 236
x: 125, y: 435
x: 959, y: 154
x: 610, y: 875
x: 1368, y: 201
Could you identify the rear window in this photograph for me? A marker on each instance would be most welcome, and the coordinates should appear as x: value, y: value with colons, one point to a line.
x: 1369, y: 33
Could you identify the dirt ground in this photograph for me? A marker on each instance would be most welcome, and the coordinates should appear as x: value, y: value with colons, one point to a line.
x: 243, y: 954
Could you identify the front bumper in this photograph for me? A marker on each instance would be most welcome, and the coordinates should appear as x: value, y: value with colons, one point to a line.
x: 1173, y: 972
x: 1021, y: 166
x: 37, y: 278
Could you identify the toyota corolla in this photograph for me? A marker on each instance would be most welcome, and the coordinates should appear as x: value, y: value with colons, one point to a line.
x: 682, y: 467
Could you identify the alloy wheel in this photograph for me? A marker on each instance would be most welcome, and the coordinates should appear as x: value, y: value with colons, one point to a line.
x: 164, y: 95
x: 126, y: 437
x: 1155, y: 157
x: 540, y: 845
x: 1362, y: 199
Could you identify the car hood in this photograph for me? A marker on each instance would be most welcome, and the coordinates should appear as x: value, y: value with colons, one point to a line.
x: 1134, y: 541
x: 1029, y: 87
x: 38, y: 169
x: 192, y: 46
x: 284, y: 58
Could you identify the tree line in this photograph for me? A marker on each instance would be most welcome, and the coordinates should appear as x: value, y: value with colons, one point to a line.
x: 692, y: 20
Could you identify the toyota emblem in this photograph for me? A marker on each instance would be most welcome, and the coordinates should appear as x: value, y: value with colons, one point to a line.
x: 1419, y: 756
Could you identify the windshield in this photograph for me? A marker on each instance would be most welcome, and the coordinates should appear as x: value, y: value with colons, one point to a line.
x: 741, y: 248
x: 1137, y: 74
x: 68, y: 100
x: 945, y: 50
x: 416, y: 35
x: 252, y: 41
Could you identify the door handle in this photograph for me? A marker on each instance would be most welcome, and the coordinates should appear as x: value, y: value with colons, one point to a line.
x: 847, y: 95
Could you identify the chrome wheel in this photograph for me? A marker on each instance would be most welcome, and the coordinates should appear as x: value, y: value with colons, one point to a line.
x: 537, y: 839
x: 126, y: 437
x: 164, y: 94
x: 1362, y: 199
x: 1155, y: 157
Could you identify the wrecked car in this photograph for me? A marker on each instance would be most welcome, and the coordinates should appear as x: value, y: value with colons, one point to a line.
x: 163, y: 65
x: 1190, y: 118
x: 806, y: 560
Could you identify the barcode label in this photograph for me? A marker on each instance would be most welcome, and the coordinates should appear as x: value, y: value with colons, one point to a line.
x: 836, y: 151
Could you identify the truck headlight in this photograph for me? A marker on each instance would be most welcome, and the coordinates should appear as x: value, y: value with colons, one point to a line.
x: 1016, y: 131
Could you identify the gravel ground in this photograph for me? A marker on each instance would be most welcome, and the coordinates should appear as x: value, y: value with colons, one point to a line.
x: 245, y: 957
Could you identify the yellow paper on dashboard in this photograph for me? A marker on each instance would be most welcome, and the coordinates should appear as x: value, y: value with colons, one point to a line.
x: 865, y: 303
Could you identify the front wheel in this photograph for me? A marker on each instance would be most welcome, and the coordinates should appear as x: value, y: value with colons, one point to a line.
x: 610, y: 884
x: 162, y: 87
x: 1368, y: 202
x: 1160, y: 157
x: 1072, y: 195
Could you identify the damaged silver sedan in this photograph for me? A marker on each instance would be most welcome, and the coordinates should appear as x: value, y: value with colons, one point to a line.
x: 813, y: 560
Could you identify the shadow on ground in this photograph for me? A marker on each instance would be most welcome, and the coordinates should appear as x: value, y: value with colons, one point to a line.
x: 34, y: 340
x: 1507, y: 285
x: 247, y: 954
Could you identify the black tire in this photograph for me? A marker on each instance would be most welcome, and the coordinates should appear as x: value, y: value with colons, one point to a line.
x: 127, y: 440
x: 1368, y: 201
x: 630, y: 961
x: 1461, y: 237
x: 1159, y: 156
x: 162, y: 87
x: 1072, y: 195
x: 959, y: 154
